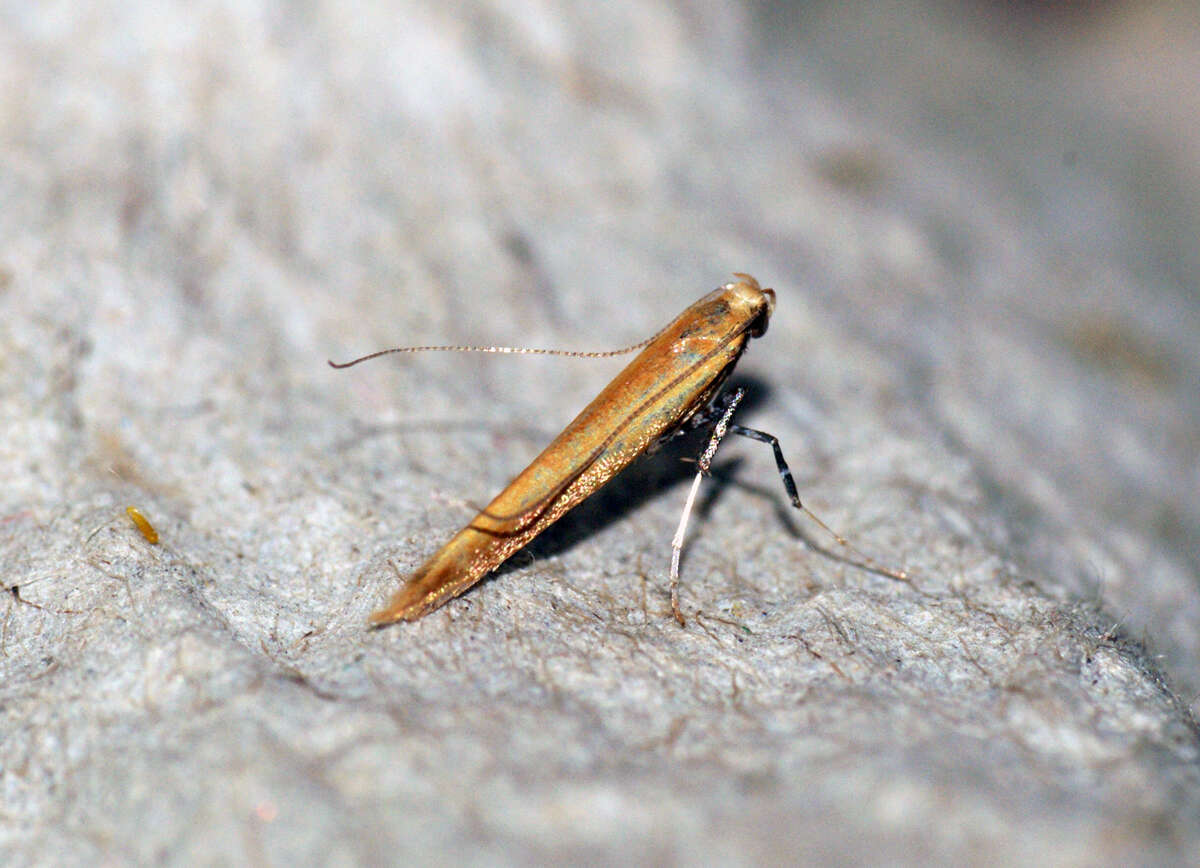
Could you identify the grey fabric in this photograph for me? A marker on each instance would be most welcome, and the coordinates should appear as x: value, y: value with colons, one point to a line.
x: 981, y: 225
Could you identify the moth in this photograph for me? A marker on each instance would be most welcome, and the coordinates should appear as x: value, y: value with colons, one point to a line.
x: 672, y: 384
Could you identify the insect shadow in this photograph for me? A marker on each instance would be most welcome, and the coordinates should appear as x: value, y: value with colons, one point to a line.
x: 646, y: 479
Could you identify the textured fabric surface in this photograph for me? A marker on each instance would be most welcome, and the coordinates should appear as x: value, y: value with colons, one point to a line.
x: 981, y: 224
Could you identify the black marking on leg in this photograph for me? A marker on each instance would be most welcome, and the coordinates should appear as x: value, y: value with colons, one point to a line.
x: 784, y: 471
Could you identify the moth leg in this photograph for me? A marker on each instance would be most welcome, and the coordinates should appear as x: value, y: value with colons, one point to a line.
x: 785, y: 472
x: 715, y: 409
x: 789, y: 484
x: 706, y: 415
x: 703, y: 464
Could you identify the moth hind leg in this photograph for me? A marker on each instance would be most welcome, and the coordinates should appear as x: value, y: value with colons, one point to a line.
x: 789, y: 484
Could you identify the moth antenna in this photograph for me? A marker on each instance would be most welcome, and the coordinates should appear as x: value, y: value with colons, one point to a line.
x: 525, y: 351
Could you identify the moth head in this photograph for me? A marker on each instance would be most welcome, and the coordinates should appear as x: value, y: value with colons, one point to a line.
x: 759, y: 301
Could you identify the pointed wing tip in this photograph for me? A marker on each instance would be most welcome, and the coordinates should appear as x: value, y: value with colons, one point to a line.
x: 381, y: 618
x: 403, y: 606
x: 391, y: 615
